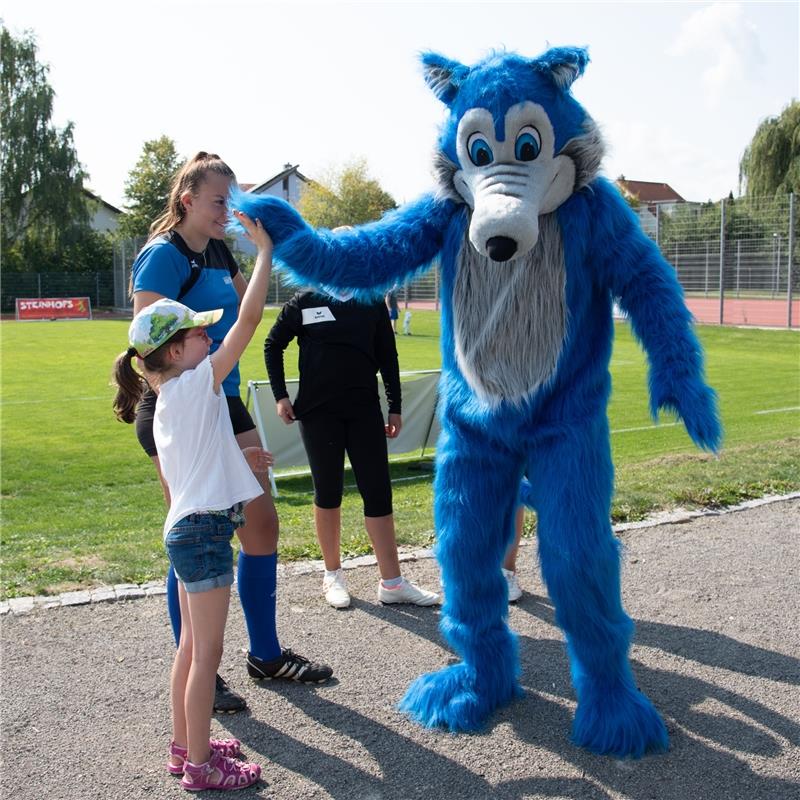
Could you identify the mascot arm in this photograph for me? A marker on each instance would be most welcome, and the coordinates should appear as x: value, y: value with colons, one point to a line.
x: 369, y: 259
x: 647, y: 289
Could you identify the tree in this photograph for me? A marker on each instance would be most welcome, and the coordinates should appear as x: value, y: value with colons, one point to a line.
x: 770, y: 165
x: 42, y: 180
x: 344, y: 197
x: 148, y: 184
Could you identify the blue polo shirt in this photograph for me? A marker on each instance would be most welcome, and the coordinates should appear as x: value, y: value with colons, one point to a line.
x: 160, y: 267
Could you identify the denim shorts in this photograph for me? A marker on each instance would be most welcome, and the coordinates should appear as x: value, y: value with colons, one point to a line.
x: 199, y: 549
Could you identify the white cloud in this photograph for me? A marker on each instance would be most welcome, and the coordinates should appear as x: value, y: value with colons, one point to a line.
x: 726, y: 43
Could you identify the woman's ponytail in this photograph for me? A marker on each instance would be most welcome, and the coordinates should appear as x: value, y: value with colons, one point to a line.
x: 130, y: 386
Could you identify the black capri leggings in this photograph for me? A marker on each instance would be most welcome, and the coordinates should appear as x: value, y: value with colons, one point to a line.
x: 240, y: 419
x: 330, y: 430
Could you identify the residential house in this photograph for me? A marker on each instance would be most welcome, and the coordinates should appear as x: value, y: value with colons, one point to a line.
x: 104, y: 217
x: 653, y: 199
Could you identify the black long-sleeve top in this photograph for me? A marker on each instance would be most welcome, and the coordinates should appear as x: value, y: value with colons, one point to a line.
x: 342, y: 347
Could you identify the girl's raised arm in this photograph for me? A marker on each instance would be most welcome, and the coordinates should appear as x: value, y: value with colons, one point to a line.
x: 251, y: 308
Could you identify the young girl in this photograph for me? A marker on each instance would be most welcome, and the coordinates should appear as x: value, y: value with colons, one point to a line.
x: 210, y: 479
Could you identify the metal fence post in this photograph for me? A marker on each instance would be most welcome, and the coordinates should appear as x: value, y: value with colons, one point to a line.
x: 777, y: 282
x: 123, y: 293
x: 721, y: 260
x: 738, y: 263
x: 705, y: 294
x: 789, y: 267
x: 658, y: 226
x: 39, y: 284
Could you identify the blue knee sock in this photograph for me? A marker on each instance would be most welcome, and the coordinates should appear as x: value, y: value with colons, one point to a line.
x: 257, y: 581
x: 174, y: 604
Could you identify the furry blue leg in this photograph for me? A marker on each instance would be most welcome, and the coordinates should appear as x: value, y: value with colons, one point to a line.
x: 475, y: 503
x: 571, y: 481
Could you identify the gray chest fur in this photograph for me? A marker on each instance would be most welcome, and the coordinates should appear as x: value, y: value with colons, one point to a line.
x: 510, y: 318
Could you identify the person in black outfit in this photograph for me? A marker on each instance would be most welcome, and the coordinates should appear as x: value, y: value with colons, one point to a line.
x: 343, y: 344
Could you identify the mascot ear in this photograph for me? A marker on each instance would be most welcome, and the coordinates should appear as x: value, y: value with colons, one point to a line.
x: 444, y: 77
x: 562, y: 64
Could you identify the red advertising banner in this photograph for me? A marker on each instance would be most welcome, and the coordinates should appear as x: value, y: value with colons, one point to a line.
x: 54, y: 308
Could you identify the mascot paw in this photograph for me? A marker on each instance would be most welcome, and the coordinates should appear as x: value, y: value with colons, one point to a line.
x: 621, y: 722
x: 696, y: 404
x: 454, y: 698
x: 280, y: 219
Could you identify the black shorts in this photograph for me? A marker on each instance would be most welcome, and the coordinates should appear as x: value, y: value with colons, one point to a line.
x: 340, y: 426
x: 240, y: 419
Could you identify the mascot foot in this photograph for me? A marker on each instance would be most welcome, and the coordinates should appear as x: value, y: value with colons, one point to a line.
x: 456, y: 699
x: 620, y: 722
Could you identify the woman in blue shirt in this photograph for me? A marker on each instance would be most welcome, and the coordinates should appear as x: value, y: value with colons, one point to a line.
x: 186, y: 259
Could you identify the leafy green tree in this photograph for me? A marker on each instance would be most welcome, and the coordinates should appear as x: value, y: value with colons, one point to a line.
x: 770, y: 165
x: 43, y: 202
x: 147, y: 186
x: 348, y: 196
x: 90, y: 252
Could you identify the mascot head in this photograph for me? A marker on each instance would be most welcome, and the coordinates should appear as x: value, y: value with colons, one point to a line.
x: 515, y: 145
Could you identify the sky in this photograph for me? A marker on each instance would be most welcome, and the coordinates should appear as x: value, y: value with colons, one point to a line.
x: 678, y: 89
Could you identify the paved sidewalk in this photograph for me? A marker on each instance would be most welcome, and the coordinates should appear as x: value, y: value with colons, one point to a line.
x: 85, y: 688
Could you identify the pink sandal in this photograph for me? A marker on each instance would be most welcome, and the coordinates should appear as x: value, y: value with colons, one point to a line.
x: 219, y: 772
x: 225, y: 747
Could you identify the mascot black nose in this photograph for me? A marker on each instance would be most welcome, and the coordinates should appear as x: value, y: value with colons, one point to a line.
x: 500, y: 248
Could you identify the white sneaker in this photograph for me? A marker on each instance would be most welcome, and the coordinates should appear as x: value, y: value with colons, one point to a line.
x: 514, y: 592
x: 335, y: 590
x: 407, y: 592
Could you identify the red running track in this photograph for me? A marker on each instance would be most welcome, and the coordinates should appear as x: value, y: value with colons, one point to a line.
x: 745, y: 311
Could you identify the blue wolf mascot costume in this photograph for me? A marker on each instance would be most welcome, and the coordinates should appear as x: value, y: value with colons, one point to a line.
x: 533, y: 249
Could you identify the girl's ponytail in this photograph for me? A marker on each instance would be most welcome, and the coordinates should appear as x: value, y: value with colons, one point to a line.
x: 130, y: 386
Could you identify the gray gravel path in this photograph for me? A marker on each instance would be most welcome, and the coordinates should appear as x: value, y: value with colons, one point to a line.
x: 717, y: 648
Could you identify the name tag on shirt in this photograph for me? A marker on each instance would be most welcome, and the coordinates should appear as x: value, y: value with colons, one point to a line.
x: 319, y: 314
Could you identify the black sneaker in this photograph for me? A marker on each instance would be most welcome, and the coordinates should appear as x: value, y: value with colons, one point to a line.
x: 287, y: 665
x: 227, y: 701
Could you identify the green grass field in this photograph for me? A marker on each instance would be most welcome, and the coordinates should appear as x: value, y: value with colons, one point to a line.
x: 81, y: 505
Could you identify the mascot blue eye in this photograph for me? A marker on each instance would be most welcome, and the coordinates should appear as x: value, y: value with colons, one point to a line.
x: 528, y: 144
x: 479, y: 151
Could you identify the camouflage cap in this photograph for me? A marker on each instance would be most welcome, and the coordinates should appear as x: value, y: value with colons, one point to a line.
x: 159, y: 322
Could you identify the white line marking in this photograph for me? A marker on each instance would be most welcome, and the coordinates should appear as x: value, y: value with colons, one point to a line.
x: 778, y: 410
x: 61, y: 400
x: 647, y: 427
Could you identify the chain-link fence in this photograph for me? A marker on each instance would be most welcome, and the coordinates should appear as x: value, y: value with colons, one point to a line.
x: 738, y: 255
x: 99, y: 287
x: 125, y: 252
x: 736, y: 259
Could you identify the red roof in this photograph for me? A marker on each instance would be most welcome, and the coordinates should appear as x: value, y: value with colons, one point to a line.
x: 650, y: 191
